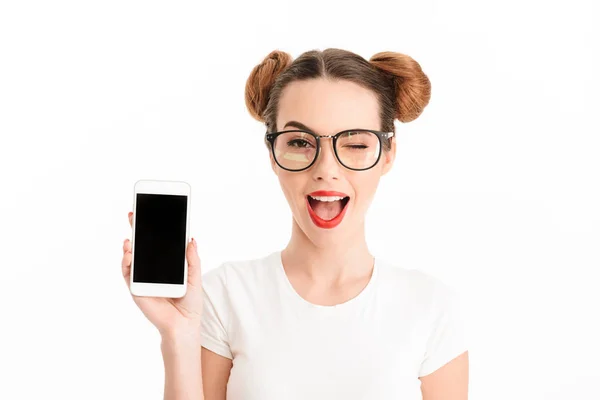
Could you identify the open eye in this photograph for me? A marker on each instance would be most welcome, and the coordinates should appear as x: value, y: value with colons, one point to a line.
x: 301, y: 143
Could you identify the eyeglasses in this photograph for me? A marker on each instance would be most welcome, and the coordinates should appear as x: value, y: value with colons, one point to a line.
x: 356, y: 149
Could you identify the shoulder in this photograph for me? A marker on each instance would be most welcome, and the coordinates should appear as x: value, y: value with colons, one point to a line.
x: 422, y: 288
x: 240, y: 272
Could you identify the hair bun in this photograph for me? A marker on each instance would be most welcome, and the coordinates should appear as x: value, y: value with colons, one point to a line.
x: 261, y: 80
x: 413, y: 88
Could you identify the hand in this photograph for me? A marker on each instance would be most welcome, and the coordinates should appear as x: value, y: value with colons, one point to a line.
x: 172, y: 317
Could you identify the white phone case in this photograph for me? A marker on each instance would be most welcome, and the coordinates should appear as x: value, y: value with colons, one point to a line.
x: 160, y: 289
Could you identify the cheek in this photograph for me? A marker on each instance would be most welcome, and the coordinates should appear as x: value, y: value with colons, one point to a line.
x: 291, y: 185
x: 365, y: 189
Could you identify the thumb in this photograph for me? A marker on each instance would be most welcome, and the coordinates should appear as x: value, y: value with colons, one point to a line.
x: 194, y: 273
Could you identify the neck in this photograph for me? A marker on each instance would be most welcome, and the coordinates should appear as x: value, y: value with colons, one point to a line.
x: 332, y: 262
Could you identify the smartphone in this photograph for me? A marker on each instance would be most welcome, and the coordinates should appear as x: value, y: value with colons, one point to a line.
x: 161, y: 226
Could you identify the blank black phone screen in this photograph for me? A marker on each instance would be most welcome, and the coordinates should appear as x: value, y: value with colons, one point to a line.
x: 160, y: 242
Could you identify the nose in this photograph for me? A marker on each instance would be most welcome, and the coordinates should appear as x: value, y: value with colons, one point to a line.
x: 326, y: 166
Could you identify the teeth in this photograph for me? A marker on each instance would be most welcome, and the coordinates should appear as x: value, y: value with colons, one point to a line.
x: 327, y: 198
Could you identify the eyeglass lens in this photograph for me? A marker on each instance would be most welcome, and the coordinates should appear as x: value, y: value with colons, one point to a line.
x: 356, y: 149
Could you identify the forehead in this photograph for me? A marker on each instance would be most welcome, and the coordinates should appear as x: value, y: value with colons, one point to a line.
x: 328, y: 106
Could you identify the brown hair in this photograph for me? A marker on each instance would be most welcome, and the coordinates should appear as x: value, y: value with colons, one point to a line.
x: 400, y: 84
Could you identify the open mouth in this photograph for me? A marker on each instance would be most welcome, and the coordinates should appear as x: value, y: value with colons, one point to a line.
x: 327, y: 211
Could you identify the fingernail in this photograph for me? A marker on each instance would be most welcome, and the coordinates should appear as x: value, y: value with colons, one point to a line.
x: 195, y: 244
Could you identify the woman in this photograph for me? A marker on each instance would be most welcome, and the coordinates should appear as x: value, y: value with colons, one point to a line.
x: 322, y: 318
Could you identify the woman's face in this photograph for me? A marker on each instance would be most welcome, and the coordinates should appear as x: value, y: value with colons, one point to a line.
x: 328, y: 107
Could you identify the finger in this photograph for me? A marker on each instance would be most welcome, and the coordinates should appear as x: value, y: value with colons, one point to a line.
x: 126, y: 246
x: 194, y: 273
x: 130, y: 216
x: 126, y: 267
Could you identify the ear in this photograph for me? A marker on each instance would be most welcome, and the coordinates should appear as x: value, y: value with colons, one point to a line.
x: 389, y: 157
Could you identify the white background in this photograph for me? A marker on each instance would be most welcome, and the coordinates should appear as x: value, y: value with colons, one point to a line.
x: 496, y: 187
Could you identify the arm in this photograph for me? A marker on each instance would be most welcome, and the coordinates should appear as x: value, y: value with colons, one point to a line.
x: 183, y: 373
x: 215, y: 374
x: 449, y: 382
x: 193, y: 372
x: 187, y: 365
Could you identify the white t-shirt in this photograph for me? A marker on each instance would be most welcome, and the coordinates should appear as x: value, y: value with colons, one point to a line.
x: 403, y: 325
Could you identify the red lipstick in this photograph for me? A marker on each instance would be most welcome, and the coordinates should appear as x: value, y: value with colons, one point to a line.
x: 327, y: 193
x: 318, y: 221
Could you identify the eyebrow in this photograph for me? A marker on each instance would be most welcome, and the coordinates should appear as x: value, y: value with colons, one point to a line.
x: 298, y: 125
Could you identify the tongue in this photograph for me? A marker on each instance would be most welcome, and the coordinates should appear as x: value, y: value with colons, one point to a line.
x: 327, y: 209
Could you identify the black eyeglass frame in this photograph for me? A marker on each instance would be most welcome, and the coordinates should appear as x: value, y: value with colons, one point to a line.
x: 271, y: 137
